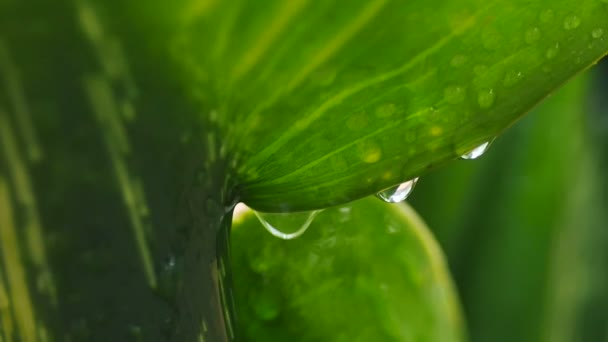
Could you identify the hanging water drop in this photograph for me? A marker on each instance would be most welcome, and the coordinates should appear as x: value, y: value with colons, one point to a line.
x: 398, y: 193
x: 477, y: 151
x: 287, y: 226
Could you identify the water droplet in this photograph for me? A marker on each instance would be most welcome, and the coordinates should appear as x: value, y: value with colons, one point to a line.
x: 552, y: 51
x: 386, y: 110
x: 458, y: 61
x: 532, y: 35
x: 454, y: 94
x: 369, y: 151
x: 287, y: 226
x: 597, y: 33
x: 485, y: 98
x: 398, y: 193
x: 571, y: 22
x: 512, y: 78
x: 477, y: 151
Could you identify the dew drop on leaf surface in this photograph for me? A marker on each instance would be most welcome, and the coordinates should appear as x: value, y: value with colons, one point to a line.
x: 397, y: 193
x: 454, y: 94
x: 485, y: 98
x: 597, y: 33
x: 512, y: 78
x: 571, y: 22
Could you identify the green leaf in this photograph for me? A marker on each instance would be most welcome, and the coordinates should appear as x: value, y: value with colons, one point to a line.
x: 323, y: 103
x: 365, y: 271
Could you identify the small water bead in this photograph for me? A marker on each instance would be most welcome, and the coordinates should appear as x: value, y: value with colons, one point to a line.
x: 571, y: 22
x: 512, y: 78
x: 477, y: 151
x: 597, y: 33
x: 454, y: 94
x: 485, y: 98
x: 546, y: 15
x: 398, y: 193
x: 287, y: 226
x: 532, y: 35
x: 552, y: 51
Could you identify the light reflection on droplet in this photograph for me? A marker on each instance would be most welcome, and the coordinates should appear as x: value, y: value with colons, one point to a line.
x: 477, y: 151
x: 287, y: 226
x: 398, y: 193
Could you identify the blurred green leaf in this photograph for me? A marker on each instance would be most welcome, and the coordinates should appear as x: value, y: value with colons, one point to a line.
x: 323, y: 103
x: 367, y: 271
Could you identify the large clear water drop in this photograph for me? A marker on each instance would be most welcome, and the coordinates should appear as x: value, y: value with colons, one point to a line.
x: 398, y: 193
x: 477, y: 151
x: 287, y: 226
